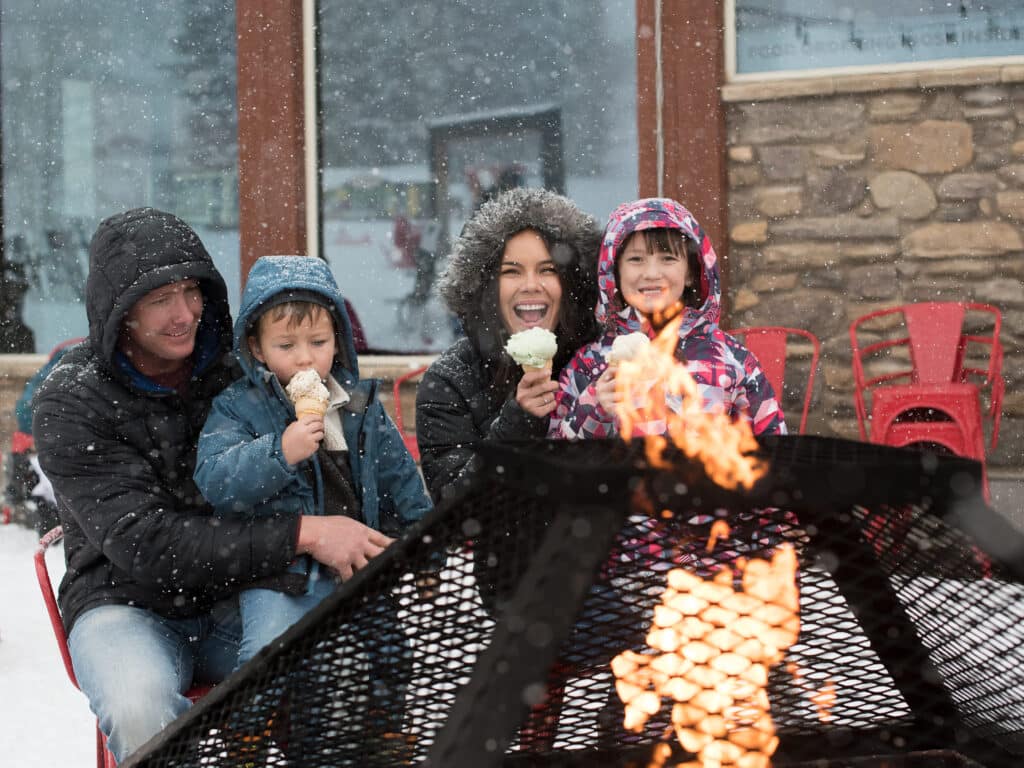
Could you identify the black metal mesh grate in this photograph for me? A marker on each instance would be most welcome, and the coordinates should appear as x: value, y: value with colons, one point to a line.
x: 915, y: 624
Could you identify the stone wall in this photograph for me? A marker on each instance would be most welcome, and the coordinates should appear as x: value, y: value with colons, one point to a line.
x: 852, y: 194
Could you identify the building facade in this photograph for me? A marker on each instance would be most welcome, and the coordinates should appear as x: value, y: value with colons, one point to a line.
x: 840, y: 160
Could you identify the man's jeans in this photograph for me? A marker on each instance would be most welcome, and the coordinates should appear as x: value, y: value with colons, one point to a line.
x: 135, y: 666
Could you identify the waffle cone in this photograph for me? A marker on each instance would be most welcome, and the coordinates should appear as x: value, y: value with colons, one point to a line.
x: 312, y: 406
x: 545, y: 367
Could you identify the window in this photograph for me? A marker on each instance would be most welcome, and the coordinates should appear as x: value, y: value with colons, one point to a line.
x: 794, y: 36
x: 430, y: 108
x: 108, y: 106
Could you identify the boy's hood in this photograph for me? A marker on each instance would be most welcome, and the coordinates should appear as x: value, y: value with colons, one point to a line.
x: 271, y: 275
x: 654, y: 213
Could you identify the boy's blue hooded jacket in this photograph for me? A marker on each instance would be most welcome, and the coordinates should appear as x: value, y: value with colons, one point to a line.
x: 240, y: 468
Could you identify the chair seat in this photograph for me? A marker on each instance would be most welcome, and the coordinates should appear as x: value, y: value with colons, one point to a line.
x: 961, y: 431
x: 945, y: 433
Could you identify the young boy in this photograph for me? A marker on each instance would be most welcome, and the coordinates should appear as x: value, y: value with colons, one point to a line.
x: 257, y: 458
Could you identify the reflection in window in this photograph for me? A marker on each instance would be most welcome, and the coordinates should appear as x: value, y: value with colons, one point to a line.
x: 108, y: 106
x: 779, y: 35
x: 431, y: 108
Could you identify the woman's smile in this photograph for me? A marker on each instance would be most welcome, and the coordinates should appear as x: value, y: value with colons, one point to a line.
x: 531, y: 313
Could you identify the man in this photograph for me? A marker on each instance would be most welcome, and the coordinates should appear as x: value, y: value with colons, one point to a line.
x: 150, y: 571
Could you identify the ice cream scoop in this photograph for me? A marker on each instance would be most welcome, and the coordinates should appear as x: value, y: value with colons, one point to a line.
x: 308, y: 393
x: 533, y: 348
x: 628, y: 346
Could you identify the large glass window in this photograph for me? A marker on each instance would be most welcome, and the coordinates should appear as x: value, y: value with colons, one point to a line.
x: 798, y: 35
x: 108, y: 106
x: 429, y: 108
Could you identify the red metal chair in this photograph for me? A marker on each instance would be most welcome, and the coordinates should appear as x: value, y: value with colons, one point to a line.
x: 408, y: 436
x: 921, y: 382
x: 770, y: 343
x: 104, y: 759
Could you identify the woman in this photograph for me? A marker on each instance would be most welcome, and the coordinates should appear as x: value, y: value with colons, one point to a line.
x: 526, y: 259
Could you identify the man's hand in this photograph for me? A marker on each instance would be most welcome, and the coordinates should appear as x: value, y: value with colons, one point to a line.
x: 301, y: 438
x: 536, y: 393
x: 341, y: 543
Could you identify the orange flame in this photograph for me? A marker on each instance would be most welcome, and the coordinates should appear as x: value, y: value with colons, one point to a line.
x: 647, y: 384
x: 823, y: 699
x: 719, y: 530
x: 713, y: 647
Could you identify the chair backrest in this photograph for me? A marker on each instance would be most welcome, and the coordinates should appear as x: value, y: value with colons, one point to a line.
x: 46, y: 587
x: 930, y: 346
x: 408, y: 436
x: 770, y: 344
x: 358, y: 334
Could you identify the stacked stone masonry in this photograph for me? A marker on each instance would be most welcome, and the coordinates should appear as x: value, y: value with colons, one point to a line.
x: 844, y: 199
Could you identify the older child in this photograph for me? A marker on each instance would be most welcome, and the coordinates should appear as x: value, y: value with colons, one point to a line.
x: 655, y: 255
x: 656, y: 262
x: 257, y: 459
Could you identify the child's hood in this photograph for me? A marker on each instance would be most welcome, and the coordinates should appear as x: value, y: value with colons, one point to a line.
x: 272, y: 275
x: 654, y: 213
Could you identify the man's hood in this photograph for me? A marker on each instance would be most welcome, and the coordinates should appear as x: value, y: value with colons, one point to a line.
x: 654, y: 213
x: 273, y: 275
x: 139, y: 250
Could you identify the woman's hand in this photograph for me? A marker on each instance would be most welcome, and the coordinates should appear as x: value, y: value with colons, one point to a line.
x: 604, y: 388
x: 536, y: 393
x: 301, y: 438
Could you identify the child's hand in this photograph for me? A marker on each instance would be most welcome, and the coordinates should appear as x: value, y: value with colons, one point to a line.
x: 605, y: 390
x: 301, y: 439
x: 536, y: 393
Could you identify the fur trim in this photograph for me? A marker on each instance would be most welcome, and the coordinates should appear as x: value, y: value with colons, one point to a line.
x: 477, y: 252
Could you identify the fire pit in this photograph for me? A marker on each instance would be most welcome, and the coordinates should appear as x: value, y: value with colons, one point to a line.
x: 557, y: 558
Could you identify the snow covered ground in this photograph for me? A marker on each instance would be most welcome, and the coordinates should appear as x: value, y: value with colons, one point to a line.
x: 44, y: 721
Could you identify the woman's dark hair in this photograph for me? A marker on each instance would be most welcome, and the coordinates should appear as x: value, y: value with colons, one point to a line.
x: 469, y: 285
x: 674, y: 241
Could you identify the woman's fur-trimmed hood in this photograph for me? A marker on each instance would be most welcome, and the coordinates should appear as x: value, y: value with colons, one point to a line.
x: 469, y: 282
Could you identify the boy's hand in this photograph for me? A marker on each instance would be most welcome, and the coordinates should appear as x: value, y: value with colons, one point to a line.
x: 341, y: 543
x: 428, y: 585
x: 536, y: 393
x: 301, y: 438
